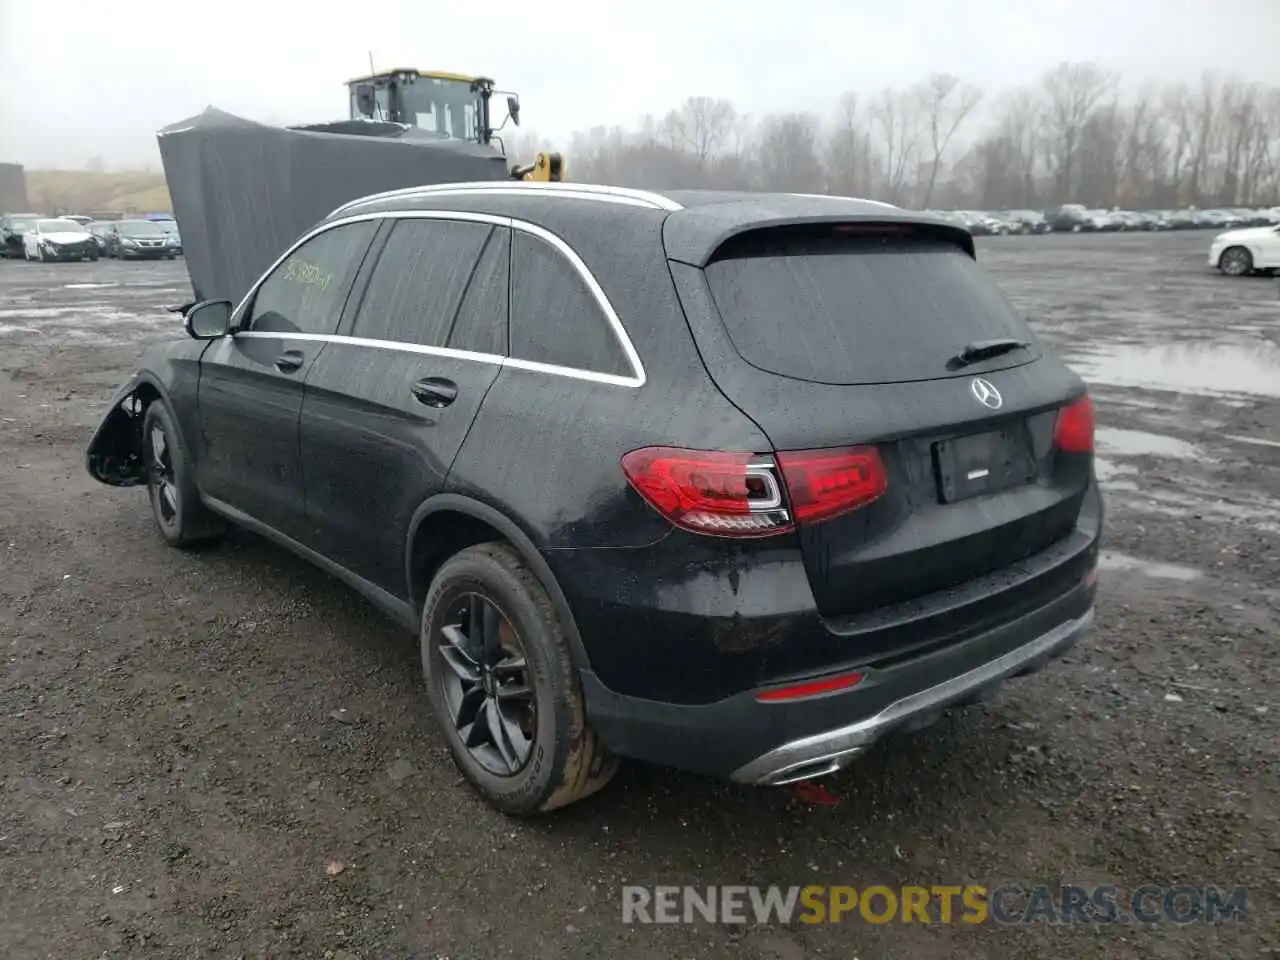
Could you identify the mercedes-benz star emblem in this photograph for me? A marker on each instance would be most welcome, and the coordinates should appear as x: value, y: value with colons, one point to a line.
x: 986, y: 394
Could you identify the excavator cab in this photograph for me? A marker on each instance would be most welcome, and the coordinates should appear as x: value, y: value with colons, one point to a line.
x: 448, y: 104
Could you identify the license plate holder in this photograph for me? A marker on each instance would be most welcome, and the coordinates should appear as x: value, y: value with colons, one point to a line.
x: 983, y: 463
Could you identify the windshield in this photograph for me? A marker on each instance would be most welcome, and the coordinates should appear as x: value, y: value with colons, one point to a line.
x: 168, y: 226
x: 60, y: 225
x: 853, y: 310
x: 443, y: 106
x: 140, y: 228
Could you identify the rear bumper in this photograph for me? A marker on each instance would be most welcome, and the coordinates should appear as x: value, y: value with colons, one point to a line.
x: 772, y: 743
x: 828, y: 751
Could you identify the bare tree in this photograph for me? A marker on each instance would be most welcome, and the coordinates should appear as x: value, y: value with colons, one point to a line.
x: 849, y: 160
x: 1070, y: 137
x: 896, y: 115
x: 1072, y: 90
x: 789, y: 153
x: 702, y: 126
x: 946, y: 103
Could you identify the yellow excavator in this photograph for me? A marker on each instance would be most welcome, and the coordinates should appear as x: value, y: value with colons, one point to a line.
x: 448, y: 104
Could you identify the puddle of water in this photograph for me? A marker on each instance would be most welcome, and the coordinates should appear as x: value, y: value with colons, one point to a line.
x: 1206, y: 368
x: 1106, y: 470
x: 35, y: 313
x: 1256, y: 441
x: 1109, y: 560
x: 1260, y: 513
x: 1139, y: 443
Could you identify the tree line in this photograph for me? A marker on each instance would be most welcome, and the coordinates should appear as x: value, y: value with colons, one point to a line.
x: 1076, y: 135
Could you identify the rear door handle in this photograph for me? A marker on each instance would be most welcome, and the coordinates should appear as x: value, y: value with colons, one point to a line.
x: 290, y: 361
x: 435, y: 391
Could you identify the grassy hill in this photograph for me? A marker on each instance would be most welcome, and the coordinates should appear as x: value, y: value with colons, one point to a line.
x: 78, y: 191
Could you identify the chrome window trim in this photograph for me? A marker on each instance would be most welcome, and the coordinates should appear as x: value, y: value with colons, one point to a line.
x: 627, y: 196
x: 636, y: 379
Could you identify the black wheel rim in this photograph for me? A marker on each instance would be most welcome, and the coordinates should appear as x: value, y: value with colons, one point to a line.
x: 164, y: 488
x: 483, y: 678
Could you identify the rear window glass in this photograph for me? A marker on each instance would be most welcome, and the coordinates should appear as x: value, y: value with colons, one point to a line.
x: 860, y: 309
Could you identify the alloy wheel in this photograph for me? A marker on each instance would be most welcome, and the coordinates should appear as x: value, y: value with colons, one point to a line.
x: 163, y: 482
x: 485, y: 684
x: 1234, y: 263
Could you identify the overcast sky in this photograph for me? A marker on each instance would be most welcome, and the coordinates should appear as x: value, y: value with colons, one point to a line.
x: 90, y: 78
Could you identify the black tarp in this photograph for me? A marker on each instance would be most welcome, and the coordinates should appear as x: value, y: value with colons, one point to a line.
x: 243, y: 191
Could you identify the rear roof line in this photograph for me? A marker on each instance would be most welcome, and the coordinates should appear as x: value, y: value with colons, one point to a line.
x: 564, y: 191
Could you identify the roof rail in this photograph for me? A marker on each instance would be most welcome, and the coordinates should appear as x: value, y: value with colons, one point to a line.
x: 579, y: 191
x: 834, y: 196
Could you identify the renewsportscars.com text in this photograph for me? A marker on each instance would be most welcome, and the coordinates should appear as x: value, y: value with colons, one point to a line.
x: 938, y: 903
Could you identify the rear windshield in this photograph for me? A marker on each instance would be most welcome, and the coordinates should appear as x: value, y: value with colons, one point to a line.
x: 853, y: 310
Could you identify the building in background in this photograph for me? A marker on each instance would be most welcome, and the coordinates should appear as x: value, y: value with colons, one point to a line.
x: 13, y: 188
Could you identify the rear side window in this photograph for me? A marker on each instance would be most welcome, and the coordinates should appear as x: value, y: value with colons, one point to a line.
x: 481, y: 322
x: 419, y: 281
x: 555, y: 318
x: 849, y: 309
x: 306, y: 293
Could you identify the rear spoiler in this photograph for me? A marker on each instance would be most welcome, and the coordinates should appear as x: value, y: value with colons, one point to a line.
x: 695, y: 234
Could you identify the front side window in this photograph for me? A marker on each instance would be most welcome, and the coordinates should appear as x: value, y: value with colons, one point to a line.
x: 555, y: 318
x: 418, y: 284
x: 306, y: 293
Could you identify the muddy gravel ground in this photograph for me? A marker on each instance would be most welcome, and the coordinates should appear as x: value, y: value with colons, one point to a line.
x: 226, y: 754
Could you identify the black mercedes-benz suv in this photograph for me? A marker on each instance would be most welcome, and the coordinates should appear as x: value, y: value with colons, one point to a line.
x: 736, y: 483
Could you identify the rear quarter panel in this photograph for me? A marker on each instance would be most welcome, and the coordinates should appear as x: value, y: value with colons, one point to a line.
x: 546, y: 449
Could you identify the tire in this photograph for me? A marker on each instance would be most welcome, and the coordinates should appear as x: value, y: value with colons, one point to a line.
x: 1236, y: 262
x: 93, y: 258
x: 39, y: 255
x: 175, y: 503
x: 563, y: 760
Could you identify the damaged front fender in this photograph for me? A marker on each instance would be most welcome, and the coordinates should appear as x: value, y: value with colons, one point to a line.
x: 170, y: 372
x: 114, y: 456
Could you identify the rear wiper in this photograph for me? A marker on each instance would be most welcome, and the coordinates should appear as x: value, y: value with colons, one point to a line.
x: 986, y: 349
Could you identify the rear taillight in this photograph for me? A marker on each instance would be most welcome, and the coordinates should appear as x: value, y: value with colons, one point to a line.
x: 1073, y: 430
x: 726, y: 494
x: 826, y: 483
x: 739, y: 494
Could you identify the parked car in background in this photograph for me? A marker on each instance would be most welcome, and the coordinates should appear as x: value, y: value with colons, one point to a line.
x: 768, y: 546
x: 1025, y: 221
x: 138, y: 240
x: 98, y: 230
x: 170, y: 228
x: 1238, y: 253
x: 58, y: 238
x: 1070, y: 218
x: 12, y: 228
